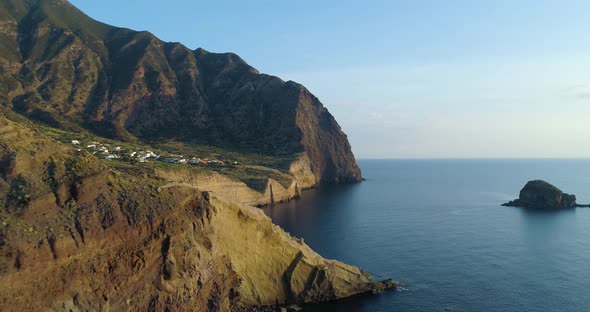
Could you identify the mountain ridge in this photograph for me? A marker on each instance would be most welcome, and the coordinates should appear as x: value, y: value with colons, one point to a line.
x: 132, y: 86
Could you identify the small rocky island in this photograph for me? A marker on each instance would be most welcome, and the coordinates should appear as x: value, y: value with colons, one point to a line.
x: 539, y: 194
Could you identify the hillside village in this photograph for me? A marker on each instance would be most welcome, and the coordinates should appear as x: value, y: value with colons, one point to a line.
x: 113, y: 152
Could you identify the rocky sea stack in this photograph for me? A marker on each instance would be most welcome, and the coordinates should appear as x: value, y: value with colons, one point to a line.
x: 539, y: 194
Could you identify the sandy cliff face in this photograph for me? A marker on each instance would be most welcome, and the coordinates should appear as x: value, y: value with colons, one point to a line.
x: 285, y: 269
x: 78, y: 235
x: 301, y: 178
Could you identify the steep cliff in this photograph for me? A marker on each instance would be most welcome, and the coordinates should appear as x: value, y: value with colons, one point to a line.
x: 61, y: 67
x: 77, y: 234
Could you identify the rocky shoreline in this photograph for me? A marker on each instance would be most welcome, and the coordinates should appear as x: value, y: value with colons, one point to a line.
x: 384, y: 285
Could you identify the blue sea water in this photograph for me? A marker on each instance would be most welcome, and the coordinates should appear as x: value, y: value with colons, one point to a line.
x: 437, y: 227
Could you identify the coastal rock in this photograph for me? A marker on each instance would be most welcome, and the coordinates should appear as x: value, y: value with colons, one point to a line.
x: 539, y: 194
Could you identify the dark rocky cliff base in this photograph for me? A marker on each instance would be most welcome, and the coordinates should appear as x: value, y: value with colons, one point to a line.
x: 539, y: 194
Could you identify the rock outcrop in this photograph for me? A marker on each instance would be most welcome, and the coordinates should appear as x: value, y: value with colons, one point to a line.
x: 62, y: 68
x: 539, y: 194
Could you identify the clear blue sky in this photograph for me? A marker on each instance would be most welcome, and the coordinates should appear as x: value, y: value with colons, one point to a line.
x: 407, y: 79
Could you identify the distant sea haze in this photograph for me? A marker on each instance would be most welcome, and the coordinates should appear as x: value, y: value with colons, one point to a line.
x: 437, y: 227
